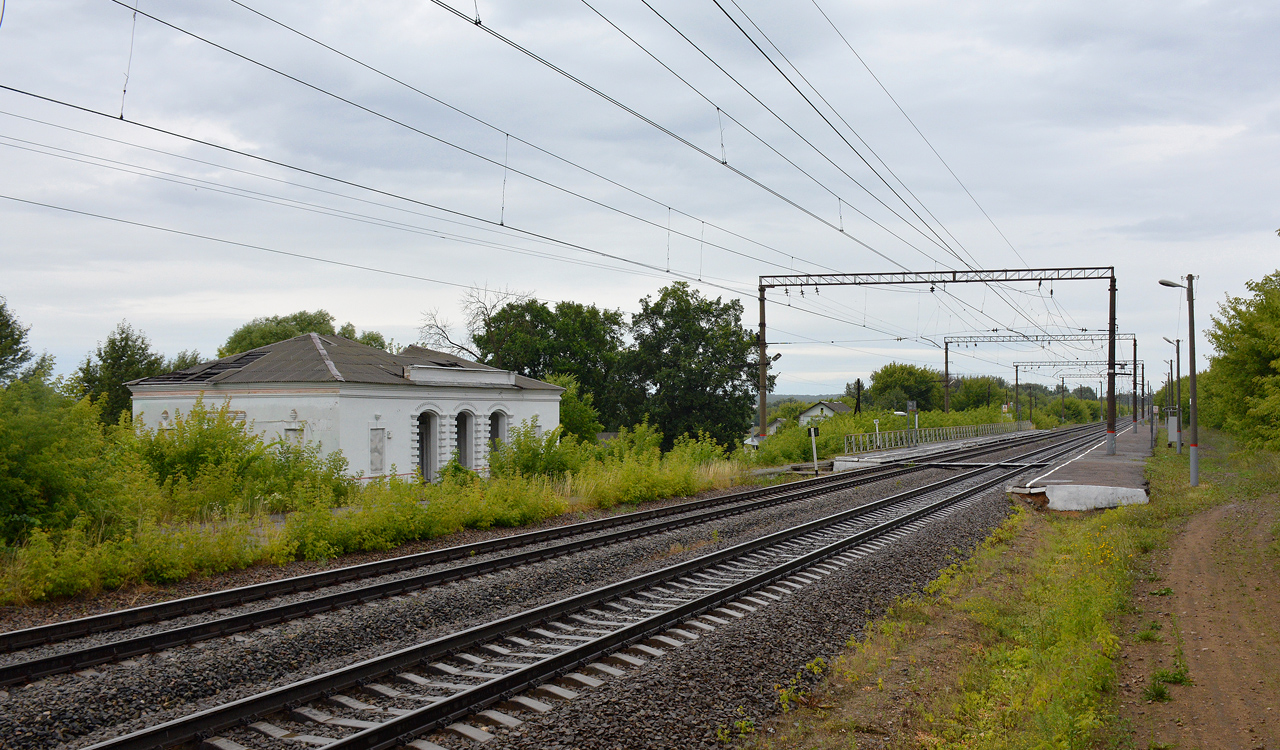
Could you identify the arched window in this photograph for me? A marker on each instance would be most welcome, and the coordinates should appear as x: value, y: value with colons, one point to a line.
x: 466, y: 448
x: 428, y: 439
x: 497, y: 429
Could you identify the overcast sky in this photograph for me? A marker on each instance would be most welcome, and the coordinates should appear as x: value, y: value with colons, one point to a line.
x: 1137, y: 135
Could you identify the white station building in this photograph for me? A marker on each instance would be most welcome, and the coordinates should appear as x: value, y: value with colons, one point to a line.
x: 406, y: 412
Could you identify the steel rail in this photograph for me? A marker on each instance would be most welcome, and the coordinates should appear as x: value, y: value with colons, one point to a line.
x: 398, y: 730
x: 77, y: 659
x: 210, y: 721
x: 124, y: 648
x: 61, y: 631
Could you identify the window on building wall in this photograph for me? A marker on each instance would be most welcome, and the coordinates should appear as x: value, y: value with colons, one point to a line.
x: 377, y: 450
x: 293, y: 435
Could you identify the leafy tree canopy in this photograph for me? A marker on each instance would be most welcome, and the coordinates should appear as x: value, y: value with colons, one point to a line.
x: 1242, y: 389
x: 14, y: 352
x: 696, y: 363
x: 369, y: 338
x: 268, y: 330
x: 972, y: 392
x: 578, y: 417
x: 519, y: 333
x: 893, y: 385
x: 125, y: 355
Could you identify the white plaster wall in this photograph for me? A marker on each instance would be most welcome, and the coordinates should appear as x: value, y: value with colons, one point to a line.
x: 268, y: 412
x: 340, y: 417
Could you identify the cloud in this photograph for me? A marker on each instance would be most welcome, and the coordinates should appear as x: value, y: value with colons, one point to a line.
x: 1093, y: 133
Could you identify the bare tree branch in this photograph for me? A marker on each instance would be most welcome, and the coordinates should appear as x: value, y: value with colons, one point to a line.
x: 478, y: 307
x: 436, y: 333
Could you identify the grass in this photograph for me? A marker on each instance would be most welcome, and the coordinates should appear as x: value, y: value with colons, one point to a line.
x: 1156, y: 691
x: 1028, y: 624
x: 1151, y: 633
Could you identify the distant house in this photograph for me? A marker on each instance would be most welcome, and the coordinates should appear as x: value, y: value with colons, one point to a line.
x: 752, y: 440
x: 412, y: 410
x: 822, y: 410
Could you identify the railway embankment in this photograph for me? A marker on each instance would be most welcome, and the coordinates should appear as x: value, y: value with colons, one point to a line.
x: 736, y: 599
x: 1147, y: 626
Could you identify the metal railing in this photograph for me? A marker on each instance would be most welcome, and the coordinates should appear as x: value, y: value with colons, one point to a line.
x: 863, y: 442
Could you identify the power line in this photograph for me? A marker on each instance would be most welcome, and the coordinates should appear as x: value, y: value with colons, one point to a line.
x: 388, y: 118
x: 276, y: 200
x: 776, y: 116
x: 836, y: 130
x: 351, y: 183
x: 509, y: 135
x: 661, y: 128
x: 918, y: 131
x: 209, y: 238
x: 303, y: 170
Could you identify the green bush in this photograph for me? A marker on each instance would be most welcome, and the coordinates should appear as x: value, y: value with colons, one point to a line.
x: 526, y: 453
x: 130, y: 504
x: 791, y: 443
x: 209, y: 463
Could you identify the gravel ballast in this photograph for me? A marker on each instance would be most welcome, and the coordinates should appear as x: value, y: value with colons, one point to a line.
x: 684, y: 697
x: 73, y: 710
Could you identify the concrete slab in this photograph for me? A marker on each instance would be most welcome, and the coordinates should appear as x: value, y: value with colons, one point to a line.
x: 1091, y: 480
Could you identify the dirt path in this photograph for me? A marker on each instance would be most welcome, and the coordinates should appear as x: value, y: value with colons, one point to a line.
x: 1217, y: 601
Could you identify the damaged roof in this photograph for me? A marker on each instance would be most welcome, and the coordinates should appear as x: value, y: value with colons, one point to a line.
x: 319, y: 358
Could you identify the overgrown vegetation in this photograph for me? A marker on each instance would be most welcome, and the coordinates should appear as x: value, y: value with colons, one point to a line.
x: 87, y: 506
x: 791, y: 442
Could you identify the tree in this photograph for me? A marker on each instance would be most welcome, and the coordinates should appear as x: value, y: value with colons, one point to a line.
x: 524, y: 335
x: 577, y: 415
x: 479, y: 306
x: 789, y: 410
x: 125, y: 355
x: 185, y: 358
x: 695, y: 363
x: 369, y: 338
x: 1241, y: 392
x: 853, y: 392
x: 14, y: 352
x: 976, y: 392
x: 262, y: 331
x: 893, y: 385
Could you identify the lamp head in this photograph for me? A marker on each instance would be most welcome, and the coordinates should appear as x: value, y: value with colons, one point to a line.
x: 1171, y: 341
x: 1166, y: 282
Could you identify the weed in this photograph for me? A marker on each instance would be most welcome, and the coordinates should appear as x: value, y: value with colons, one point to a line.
x: 1153, y: 745
x: 1156, y: 691
x: 742, y: 727
x: 1151, y: 633
x: 1176, y: 676
x: 1166, y: 591
x: 796, y: 692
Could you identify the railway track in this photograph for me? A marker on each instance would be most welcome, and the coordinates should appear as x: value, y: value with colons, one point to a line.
x: 486, y: 672
x: 580, y: 535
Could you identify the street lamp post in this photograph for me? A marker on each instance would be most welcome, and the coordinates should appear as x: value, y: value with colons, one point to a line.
x: 1177, y: 355
x: 1191, y: 369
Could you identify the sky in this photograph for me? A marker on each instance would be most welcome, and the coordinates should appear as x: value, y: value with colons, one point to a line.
x: 382, y: 160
